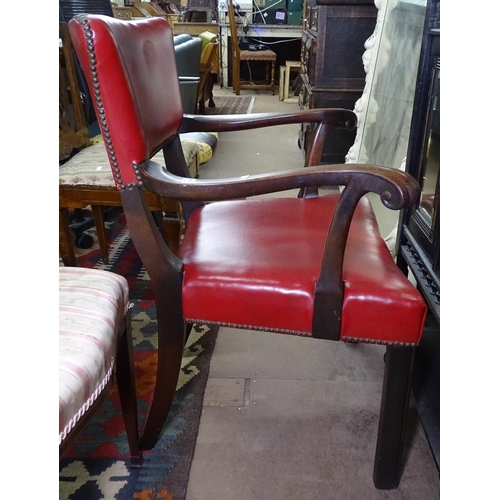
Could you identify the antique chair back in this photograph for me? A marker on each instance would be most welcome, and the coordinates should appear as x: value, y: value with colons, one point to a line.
x: 85, y: 177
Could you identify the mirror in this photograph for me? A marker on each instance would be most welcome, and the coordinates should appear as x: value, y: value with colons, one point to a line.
x: 422, y: 223
x: 430, y: 161
x: 390, y: 106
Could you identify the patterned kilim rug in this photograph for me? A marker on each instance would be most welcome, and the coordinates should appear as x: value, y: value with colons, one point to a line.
x: 122, y: 256
x: 231, y: 105
x: 96, y: 465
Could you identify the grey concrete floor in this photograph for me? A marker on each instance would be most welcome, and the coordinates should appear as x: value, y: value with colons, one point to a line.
x: 287, y: 417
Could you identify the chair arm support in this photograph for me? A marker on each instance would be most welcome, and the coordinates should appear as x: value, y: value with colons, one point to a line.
x: 227, y: 123
x: 397, y: 189
x: 396, y: 192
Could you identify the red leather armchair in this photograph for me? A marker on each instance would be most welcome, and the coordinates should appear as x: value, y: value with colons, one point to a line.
x: 307, y: 265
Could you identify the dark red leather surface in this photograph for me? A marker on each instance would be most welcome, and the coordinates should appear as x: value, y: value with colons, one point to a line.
x: 254, y: 264
x: 147, y: 86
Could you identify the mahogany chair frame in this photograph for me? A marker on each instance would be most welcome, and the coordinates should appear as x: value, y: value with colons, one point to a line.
x: 267, y: 56
x: 93, y: 41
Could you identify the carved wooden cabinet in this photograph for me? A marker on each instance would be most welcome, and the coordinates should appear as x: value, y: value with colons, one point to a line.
x: 332, y: 73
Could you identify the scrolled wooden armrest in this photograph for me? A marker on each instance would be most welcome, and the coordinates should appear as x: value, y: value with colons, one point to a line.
x: 229, y: 123
x: 397, y: 189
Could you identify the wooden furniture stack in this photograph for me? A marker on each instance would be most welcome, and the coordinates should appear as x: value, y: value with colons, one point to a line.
x: 332, y: 73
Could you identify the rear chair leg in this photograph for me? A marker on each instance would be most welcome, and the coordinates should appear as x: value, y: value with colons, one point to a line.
x: 165, y: 272
x: 393, y: 411
x: 171, y: 340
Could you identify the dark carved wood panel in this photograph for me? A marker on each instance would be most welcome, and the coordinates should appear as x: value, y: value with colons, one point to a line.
x: 333, y: 76
x: 419, y: 242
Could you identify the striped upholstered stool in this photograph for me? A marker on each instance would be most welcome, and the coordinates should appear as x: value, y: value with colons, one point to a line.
x: 94, y: 335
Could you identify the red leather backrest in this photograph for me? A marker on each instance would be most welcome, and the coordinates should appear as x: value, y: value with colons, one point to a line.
x: 130, y: 68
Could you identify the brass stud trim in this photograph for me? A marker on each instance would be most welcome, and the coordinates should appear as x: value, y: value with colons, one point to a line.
x: 87, y: 29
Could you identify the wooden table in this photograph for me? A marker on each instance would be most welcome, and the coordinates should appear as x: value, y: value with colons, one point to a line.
x: 278, y: 31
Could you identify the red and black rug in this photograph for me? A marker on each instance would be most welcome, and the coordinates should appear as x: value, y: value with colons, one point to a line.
x: 96, y: 466
x: 122, y: 257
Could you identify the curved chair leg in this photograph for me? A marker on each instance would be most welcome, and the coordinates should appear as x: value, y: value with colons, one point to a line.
x: 393, y: 411
x: 165, y: 271
x: 125, y: 380
x: 170, y: 350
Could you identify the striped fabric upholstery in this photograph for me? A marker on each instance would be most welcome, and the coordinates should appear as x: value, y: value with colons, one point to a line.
x: 92, y: 306
x: 90, y: 167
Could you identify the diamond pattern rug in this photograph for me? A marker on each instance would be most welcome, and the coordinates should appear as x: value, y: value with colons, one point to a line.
x: 96, y: 465
x: 231, y: 105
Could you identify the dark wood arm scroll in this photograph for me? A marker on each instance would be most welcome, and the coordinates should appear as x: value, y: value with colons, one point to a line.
x: 397, y: 190
x: 366, y: 178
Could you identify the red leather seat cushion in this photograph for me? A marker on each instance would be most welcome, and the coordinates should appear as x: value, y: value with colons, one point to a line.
x: 254, y: 263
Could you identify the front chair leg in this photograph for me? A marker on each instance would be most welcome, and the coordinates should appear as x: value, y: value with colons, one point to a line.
x: 393, y: 411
